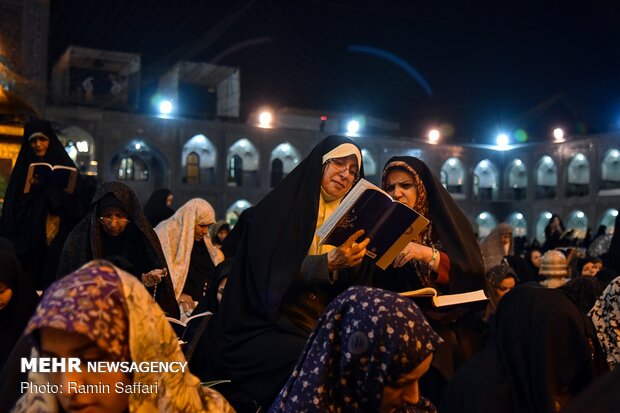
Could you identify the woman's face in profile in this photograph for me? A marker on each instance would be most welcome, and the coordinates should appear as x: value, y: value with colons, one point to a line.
x: 339, y: 175
x: 535, y: 258
x: 406, y: 390
x: 64, y: 344
x: 400, y: 185
x: 169, y: 200
x: 504, y: 286
x: 201, y: 229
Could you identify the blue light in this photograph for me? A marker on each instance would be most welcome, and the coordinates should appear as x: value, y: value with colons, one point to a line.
x: 165, y: 107
x: 502, y: 140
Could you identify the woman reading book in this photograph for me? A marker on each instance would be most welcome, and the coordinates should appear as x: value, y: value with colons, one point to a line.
x: 38, y: 220
x: 444, y: 255
x: 282, y: 279
x: 189, y: 251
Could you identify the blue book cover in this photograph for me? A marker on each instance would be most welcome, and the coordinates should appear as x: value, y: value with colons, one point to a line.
x: 389, y: 224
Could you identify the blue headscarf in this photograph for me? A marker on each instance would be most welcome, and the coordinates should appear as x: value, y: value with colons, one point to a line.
x: 366, y: 339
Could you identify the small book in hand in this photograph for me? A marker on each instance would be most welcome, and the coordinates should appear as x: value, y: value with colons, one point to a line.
x: 42, y: 174
x: 389, y: 224
x: 183, y: 328
x: 446, y: 299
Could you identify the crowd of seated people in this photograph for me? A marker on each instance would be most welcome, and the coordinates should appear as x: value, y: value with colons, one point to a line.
x: 296, y: 325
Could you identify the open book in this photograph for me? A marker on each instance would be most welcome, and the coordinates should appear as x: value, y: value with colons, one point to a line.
x: 390, y: 225
x: 41, y: 174
x: 446, y: 299
x: 181, y: 328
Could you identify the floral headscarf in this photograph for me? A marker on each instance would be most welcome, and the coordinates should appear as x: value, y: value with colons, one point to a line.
x: 494, y: 276
x: 425, y: 237
x: 421, y: 202
x: 606, y: 318
x: 95, y: 294
x: 113, y: 309
x: 366, y: 339
x: 176, y: 235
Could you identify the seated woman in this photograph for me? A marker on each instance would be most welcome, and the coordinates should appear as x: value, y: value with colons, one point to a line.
x: 219, y: 232
x: 101, y: 313
x: 189, y: 251
x: 159, y: 206
x: 541, y: 353
x: 446, y: 251
x: 497, y: 245
x: 474, y: 329
x: 445, y: 255
x: 281, y: 279
x: 116, y: 226
x: 18, y: 299
x: 366, y: 354
x: 606, y: 318
x: 38, y: 222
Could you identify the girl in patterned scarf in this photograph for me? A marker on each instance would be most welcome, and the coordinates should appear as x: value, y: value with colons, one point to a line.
x: 366, y: 354
x: 100, y: 313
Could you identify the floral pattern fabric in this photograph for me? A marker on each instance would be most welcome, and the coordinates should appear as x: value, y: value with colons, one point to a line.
x: 606, y: 318
x: 115, y: 310
x: 176, y: 235
x: 366, y: 339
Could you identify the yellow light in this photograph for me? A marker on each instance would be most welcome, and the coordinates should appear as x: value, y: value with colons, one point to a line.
x: 11, y: 130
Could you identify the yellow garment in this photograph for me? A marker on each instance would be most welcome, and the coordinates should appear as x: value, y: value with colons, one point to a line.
x: 150, y: 339
x: 52, y: 225
x: 327, y: 206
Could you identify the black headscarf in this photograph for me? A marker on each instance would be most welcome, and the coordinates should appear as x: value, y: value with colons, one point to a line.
x: 584, y: 291
x: 613, y: 255
x: 250, y: 336
x: 277, y: 240
x: 24, y: 215
x: 14, y: 317
x: 532, y: 357
x: 449, y: 229
x: 231, y: 242
x: 156, y: 208
x: 138, y: 243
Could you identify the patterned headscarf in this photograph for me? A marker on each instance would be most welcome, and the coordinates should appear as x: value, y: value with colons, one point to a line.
x: 494, y: 276
x: 606, y: 318
x: 421, y: 202
x: 112, y: 308
x: 176, y: 235
x: 366, y: 339
x: 94, y: 293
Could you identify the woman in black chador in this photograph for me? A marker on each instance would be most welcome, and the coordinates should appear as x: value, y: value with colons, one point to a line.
x: 38, y: 222
x: 444, y: 255
x: 282, y: 280
x: 116, y: 228
x: 159, y: 206
x: 18, y: 300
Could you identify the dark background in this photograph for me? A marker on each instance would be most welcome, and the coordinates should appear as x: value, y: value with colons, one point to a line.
x: 490, y: 67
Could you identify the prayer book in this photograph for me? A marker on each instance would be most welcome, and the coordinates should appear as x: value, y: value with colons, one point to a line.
x: 389, y: 224
x: 183, y: 328
x: 42, y: 174
x: 446, y: 299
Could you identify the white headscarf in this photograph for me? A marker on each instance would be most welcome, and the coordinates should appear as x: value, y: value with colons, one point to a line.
x: 328, y: 204
x: 176, y: 235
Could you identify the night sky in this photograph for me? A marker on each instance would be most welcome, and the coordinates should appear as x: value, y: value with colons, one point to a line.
x: 473, y: 68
